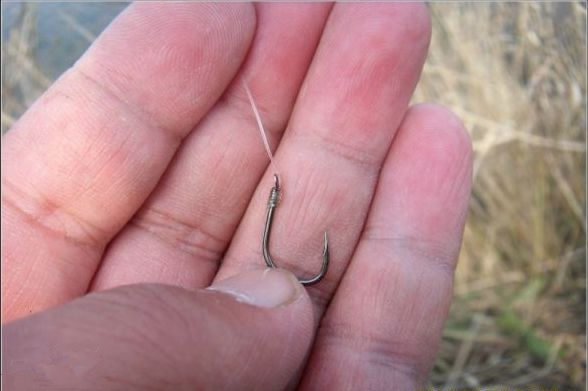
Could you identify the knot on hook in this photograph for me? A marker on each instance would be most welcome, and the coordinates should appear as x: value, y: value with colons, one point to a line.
x: 274, y: 198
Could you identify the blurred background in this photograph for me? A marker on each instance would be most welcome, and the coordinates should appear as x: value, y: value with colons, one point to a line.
x: 516, y: 74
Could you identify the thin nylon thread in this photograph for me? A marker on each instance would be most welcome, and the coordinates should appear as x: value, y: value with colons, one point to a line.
x: 260, y: 127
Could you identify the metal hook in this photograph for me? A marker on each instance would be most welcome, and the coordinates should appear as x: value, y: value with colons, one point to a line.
x: 273, y: 201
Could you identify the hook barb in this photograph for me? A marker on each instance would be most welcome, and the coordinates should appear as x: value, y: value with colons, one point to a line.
x: 273, y: 201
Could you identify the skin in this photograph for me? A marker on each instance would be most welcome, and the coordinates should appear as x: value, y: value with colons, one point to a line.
x: 127, y: 190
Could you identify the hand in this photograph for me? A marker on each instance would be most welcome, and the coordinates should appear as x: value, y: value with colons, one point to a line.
x: 139, y: 178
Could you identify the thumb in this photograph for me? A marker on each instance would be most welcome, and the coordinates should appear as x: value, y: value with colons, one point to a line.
x: 252, y: 331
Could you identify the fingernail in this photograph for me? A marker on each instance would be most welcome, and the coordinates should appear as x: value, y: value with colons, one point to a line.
x: 268, y: 288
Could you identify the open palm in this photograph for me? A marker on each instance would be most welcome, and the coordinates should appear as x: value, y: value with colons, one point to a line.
x: 143, y: 164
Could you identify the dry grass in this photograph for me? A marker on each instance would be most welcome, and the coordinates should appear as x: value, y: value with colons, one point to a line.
x: 516, y: 74
x: 22, y: 80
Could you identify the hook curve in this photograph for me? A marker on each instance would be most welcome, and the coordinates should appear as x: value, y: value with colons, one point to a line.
x: 273, y: 201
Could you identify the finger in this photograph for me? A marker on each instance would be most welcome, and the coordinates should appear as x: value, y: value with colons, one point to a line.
x: 385, y: 322
x: 180, y: 234
x: 250, y: 333
x: 82, y: 160
x: 350, y: 105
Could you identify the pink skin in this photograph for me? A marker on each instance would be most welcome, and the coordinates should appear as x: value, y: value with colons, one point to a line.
x: 91, y: 150
x: 135, y: 151
x: 180, y: 234
x: 334, y: 146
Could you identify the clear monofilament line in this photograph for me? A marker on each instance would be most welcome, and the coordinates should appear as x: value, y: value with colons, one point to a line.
x: 261, y: 128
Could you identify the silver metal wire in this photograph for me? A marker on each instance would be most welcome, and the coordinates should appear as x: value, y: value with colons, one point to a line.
x: 272, y: 204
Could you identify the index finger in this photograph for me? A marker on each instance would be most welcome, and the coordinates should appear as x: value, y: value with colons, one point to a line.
x: 82, y: 160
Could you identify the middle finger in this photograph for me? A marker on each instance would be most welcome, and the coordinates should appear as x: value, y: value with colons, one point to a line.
x: 182, y: 230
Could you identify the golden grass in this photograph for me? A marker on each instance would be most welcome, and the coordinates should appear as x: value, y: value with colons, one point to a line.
x: 516, y: 74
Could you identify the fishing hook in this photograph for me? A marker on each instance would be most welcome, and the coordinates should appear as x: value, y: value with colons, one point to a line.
x: 273, y: 201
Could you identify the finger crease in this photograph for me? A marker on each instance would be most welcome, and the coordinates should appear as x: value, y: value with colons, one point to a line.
x: 436, y: 255
x: 359, y: 157
x: 54, y: 218
x: 141, y: 114
x: 183, y: 235
x: 381, y: 351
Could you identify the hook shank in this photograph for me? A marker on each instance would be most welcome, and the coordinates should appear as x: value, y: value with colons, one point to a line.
x: 273, y: 201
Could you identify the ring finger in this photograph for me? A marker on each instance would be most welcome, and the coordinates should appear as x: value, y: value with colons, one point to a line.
x: 354, y: 96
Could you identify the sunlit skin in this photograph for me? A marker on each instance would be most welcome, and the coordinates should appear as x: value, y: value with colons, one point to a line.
x: 143, y: 164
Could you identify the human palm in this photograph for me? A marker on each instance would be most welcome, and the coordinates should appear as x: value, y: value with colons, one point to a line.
x: 143, y: 164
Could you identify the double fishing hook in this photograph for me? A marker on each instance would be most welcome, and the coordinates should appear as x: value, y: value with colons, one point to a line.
x: 273, y: 201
